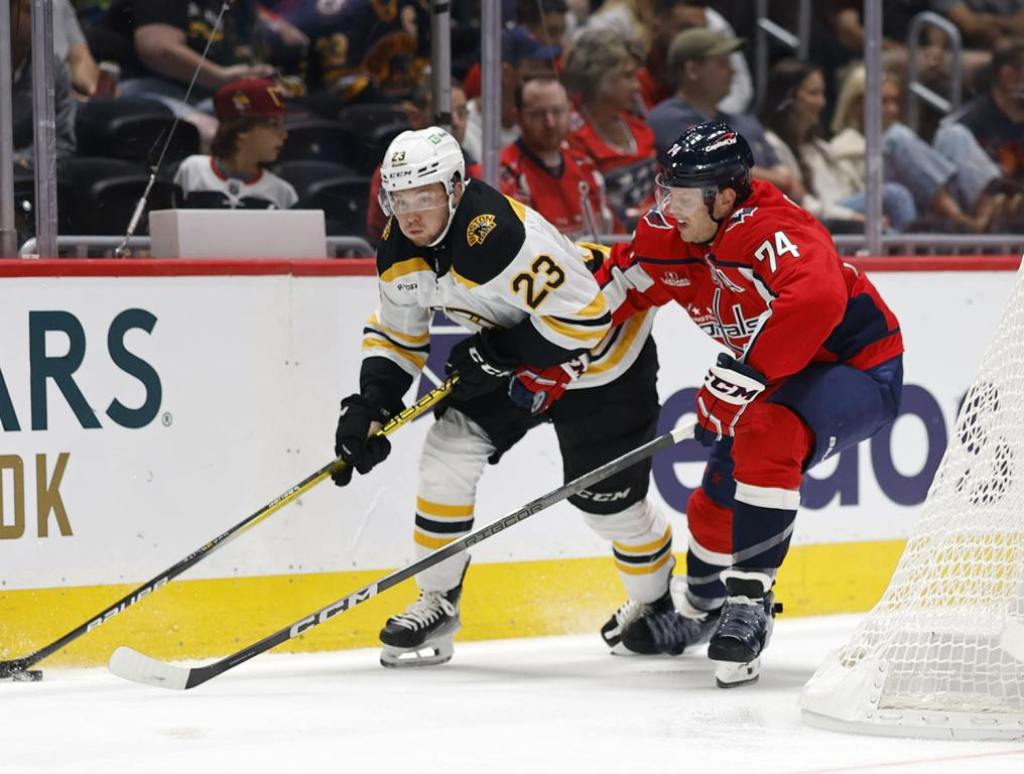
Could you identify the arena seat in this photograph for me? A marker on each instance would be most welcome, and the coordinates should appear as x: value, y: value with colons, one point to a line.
x: 343, y: 200
x: 313, y: 139
x: 370, y: 128
x: 304, y: 173
x: 97, y: 196
x: 134, y: 129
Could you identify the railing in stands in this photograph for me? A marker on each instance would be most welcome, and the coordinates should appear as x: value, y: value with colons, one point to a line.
x: 918, y: 91
x: 847, y: 244
x: 799, y: 42
x: 80, y: 246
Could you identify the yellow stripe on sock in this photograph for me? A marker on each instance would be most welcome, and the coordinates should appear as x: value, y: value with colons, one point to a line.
x: 646, y: 548
x: 428, y: 508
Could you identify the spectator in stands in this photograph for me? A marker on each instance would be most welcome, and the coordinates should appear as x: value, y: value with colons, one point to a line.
x: 996, y: 118
x: 546, y: 21
x: 159, y: 46
x: 21, y: 92
x: 847, y: 20
x: 521, y: 56
x: 600, y: 72
x: 420, y: 110
x: 632, y: 21
x: 794, y: 105
x: 69, y: 46
x: 657, y: 82
x: 249, y: 137
x: 952, y: 178
x: 542, y: 171
x: 699, y: 59
x: 362, y: 49
x: 983, y: 22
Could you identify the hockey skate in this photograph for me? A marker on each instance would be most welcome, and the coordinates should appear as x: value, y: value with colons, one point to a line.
x: 744, y: 628
x: 611, y: 632
x: 422, y: 635
x: 661, y: 628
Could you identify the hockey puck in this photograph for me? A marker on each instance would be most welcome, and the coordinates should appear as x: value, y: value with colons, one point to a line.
x: 28, y: 676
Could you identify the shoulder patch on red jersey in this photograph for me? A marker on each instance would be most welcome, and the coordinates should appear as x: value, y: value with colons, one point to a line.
x: 740, y: 217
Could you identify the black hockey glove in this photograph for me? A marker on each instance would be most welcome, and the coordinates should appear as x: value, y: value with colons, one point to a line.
x: 480, y: 368
x: 353, y: 441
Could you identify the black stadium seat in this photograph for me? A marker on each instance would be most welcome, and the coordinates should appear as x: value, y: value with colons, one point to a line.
x: 97, y: 196
x: 134, y: 129
x: 313, y: 139
x: 343, y: 200
x: 370, y: 128
x: 302, y: 174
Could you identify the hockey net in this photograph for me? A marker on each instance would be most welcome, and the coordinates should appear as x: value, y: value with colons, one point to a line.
x: 942, y: 653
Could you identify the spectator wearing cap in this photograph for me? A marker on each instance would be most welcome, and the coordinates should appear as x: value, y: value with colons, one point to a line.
x: 545, y: 21
x: 600, y: 71
x: 656, y: 82
x: 699, y: 60
x: 522, y: 55
x: 541, y: 170
x: 249, y: 137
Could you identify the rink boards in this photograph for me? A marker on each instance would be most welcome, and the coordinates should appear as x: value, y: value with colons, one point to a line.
x: 148, y: 407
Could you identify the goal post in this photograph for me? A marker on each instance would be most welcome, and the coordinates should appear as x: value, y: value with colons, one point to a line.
x: 942, y: 653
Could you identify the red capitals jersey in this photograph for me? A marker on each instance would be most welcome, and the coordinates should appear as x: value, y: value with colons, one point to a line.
x: 770, y: 287
x: 628, y: 177
x: 573, y: 201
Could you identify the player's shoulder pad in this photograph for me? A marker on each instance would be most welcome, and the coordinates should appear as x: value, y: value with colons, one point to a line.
x: 395, y: 253
x: 487, y: 233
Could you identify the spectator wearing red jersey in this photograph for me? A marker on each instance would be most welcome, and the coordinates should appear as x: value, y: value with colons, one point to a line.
x: 543, y: 172
x: 601, y: 72
x: 420, y: 111
x: 522, y: 55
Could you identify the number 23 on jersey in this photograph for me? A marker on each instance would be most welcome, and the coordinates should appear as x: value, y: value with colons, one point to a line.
x: 544, y: 276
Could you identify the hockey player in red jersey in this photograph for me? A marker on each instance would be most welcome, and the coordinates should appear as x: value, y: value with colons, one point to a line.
x: 812, y: 365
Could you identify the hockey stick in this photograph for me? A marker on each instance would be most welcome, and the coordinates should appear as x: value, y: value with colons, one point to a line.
x: 133, y: 665
x: 19, y: 665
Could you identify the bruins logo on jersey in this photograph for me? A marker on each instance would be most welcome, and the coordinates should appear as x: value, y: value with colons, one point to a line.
x: 479, y: 228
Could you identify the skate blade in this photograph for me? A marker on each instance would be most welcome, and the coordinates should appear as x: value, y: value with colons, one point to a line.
x: 28, y: 676
x: 731, y: 675
x: 428, y: 654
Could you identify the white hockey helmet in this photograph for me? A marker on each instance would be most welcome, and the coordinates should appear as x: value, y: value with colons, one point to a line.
x: 420, y: 157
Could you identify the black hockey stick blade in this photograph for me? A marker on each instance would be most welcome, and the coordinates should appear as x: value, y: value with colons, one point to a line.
x: 14, y: 666
x: 140, y: 668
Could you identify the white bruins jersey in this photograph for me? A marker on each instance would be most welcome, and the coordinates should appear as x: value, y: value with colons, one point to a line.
x: 499, y: 264
x: 205, y: 187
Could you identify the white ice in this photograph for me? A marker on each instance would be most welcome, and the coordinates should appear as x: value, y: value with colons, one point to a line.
x: 559, y: 704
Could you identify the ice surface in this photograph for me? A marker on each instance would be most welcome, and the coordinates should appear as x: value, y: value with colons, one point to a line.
x: 558, y: 704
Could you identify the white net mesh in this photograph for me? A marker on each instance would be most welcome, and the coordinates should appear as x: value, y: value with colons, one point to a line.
x: 948, y: 635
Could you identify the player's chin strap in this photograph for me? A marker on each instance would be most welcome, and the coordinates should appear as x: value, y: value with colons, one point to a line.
x: 452, y: 206
x: 140, y: 206
x: 709, y: 202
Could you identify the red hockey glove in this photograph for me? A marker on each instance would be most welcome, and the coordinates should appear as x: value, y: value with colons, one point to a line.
x: 535, y: 389
x: 729, y: 387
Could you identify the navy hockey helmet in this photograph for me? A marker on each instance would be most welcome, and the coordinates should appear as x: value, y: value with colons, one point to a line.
x: 710, y: 156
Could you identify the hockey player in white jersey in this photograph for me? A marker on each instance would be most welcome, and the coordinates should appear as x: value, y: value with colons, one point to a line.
x: 543, y: 349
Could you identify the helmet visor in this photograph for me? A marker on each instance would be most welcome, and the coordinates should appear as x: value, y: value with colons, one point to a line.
x: 413, y: 200
x: 679, y: 203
